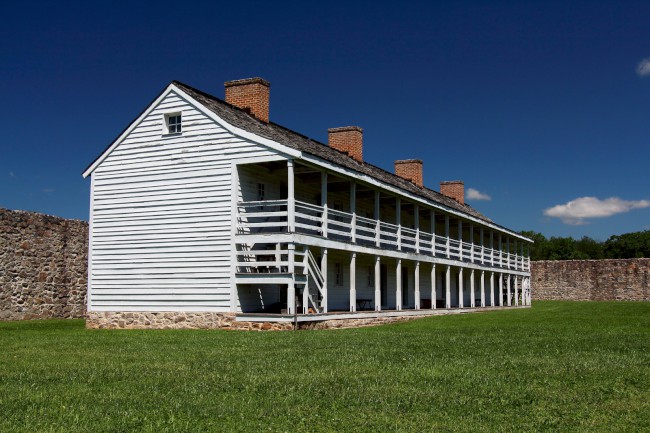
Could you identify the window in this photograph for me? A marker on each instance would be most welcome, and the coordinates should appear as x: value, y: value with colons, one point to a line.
x: 371, y: 276
x: 173, y: 123
x: 338, y: 271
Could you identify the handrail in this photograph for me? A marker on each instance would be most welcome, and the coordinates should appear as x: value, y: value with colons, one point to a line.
x: 270, y: 216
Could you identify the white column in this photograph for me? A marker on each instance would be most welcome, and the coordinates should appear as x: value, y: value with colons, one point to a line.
x: 523, y: 267
x: 500, y: 251
x: 447, y: 233
x: 291, y: 199
x: 492, y: 247
x: 472, y: 296
x: 433, y: 233
x: 416, y: 281
x: 508, y: 292
x: 448, y: 287
x: 398, y: 289
x: 353, y: 282
x: 482, y: 288
x: 471, y: 242
x: 398, y: 222
x: 433, y: 286
x: 500, y: 290
x: 377, y: 284
x: 460, y: 240
x: 508, y: 251
x: 291, y: 288
x: 305, y: 289
x: 353, y: 211
x: 491, y: 289
x: 461, y: 283
x: 482, y: 246
x: 416, y: 217
x: 323, y: 269
x: 516, y: 280
x: 377, y: 229
x: 323, y: 200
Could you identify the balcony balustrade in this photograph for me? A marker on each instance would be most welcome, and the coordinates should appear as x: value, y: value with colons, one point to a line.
x: 272, y: 216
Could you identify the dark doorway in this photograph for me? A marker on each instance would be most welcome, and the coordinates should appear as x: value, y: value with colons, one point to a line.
x: 405, y: 286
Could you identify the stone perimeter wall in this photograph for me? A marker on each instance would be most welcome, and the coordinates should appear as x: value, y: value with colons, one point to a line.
x: 591, y: 280
x: 43, y: 266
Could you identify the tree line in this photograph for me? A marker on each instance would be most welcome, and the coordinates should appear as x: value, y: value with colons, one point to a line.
x: 625, y: 246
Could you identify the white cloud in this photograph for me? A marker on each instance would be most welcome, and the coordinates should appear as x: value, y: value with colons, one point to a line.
x: 12, y: 174
x: 474, y: 194
x: 643, y: 69
x: 577, y: 211
x: 48, y: 190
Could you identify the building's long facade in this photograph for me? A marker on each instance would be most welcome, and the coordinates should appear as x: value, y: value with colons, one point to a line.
x: 204, y: 213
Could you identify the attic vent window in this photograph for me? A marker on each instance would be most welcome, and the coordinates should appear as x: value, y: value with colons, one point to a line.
x: 173, y: 123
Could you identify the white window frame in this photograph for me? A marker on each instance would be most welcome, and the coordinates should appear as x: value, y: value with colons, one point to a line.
x: 173, y: 128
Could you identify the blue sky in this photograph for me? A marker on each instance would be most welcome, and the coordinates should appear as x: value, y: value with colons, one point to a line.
x: 542, y: 106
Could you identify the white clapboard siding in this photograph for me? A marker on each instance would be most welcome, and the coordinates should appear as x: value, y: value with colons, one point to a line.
x: 162, y: 215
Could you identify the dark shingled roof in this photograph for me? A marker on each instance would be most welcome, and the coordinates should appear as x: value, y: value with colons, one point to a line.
x: 294, y: 140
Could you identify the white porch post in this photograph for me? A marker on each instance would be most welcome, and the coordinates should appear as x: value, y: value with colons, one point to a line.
x: 377, y: 283
x: 482, y: 245
x: 291, y: 198
x: 516, y: 280
x: 323, y: 201
x: 433, y: 233
x: 523, y: 267
x: 433, y: 286
x: 353, y: 282
x: 508, y: 251
x: 472, y: 296
x: 447, y: 234
x: 291, y: 288
x: 416, y: 216
x: 353, y: 211
x: 460, y: 240
x: 492, y: 247
x: 508, y: 292
x: 500, y: 290
x: 398, y: 222
x: 323, y: 268
x: 448, y: 287
x: 491, y: 289
x: 471, y: 242
x: 377, y: 229
x: 482, y: 288
x: 461, y: 283
x: 416, y: 281
x: 398, y: 289
x: 500, y: 251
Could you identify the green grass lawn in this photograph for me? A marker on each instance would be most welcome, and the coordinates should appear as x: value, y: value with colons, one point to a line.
x: 559, y: 366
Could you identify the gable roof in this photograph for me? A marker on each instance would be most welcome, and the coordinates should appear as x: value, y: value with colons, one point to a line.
x: 240, y: 119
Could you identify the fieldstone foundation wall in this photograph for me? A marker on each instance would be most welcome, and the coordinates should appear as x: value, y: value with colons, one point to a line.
x: 43, y: 263
x: 591, y: 280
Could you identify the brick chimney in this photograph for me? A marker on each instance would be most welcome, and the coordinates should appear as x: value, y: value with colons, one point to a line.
x: 410, y: 169
x: 348, y: 139
x: 251, y: 95
x: 453, y: 189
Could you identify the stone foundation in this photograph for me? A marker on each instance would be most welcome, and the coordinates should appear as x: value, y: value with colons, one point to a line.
x: 173, y: 320
x: 207, y: 320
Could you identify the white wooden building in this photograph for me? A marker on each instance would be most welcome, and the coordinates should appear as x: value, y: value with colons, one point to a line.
x: 205, y: 206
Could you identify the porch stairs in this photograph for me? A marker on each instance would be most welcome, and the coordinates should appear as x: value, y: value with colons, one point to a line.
x: 271, y: 267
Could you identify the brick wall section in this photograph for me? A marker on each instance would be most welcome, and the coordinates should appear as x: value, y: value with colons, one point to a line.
x: 453, y: 189
x: 251, y: 94
x: 591, y: 280
x: 410, y: 169
x: 348, y: 139
x: 43, y: 266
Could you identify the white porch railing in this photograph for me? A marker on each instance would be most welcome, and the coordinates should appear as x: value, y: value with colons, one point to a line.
x: 271, y: 216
